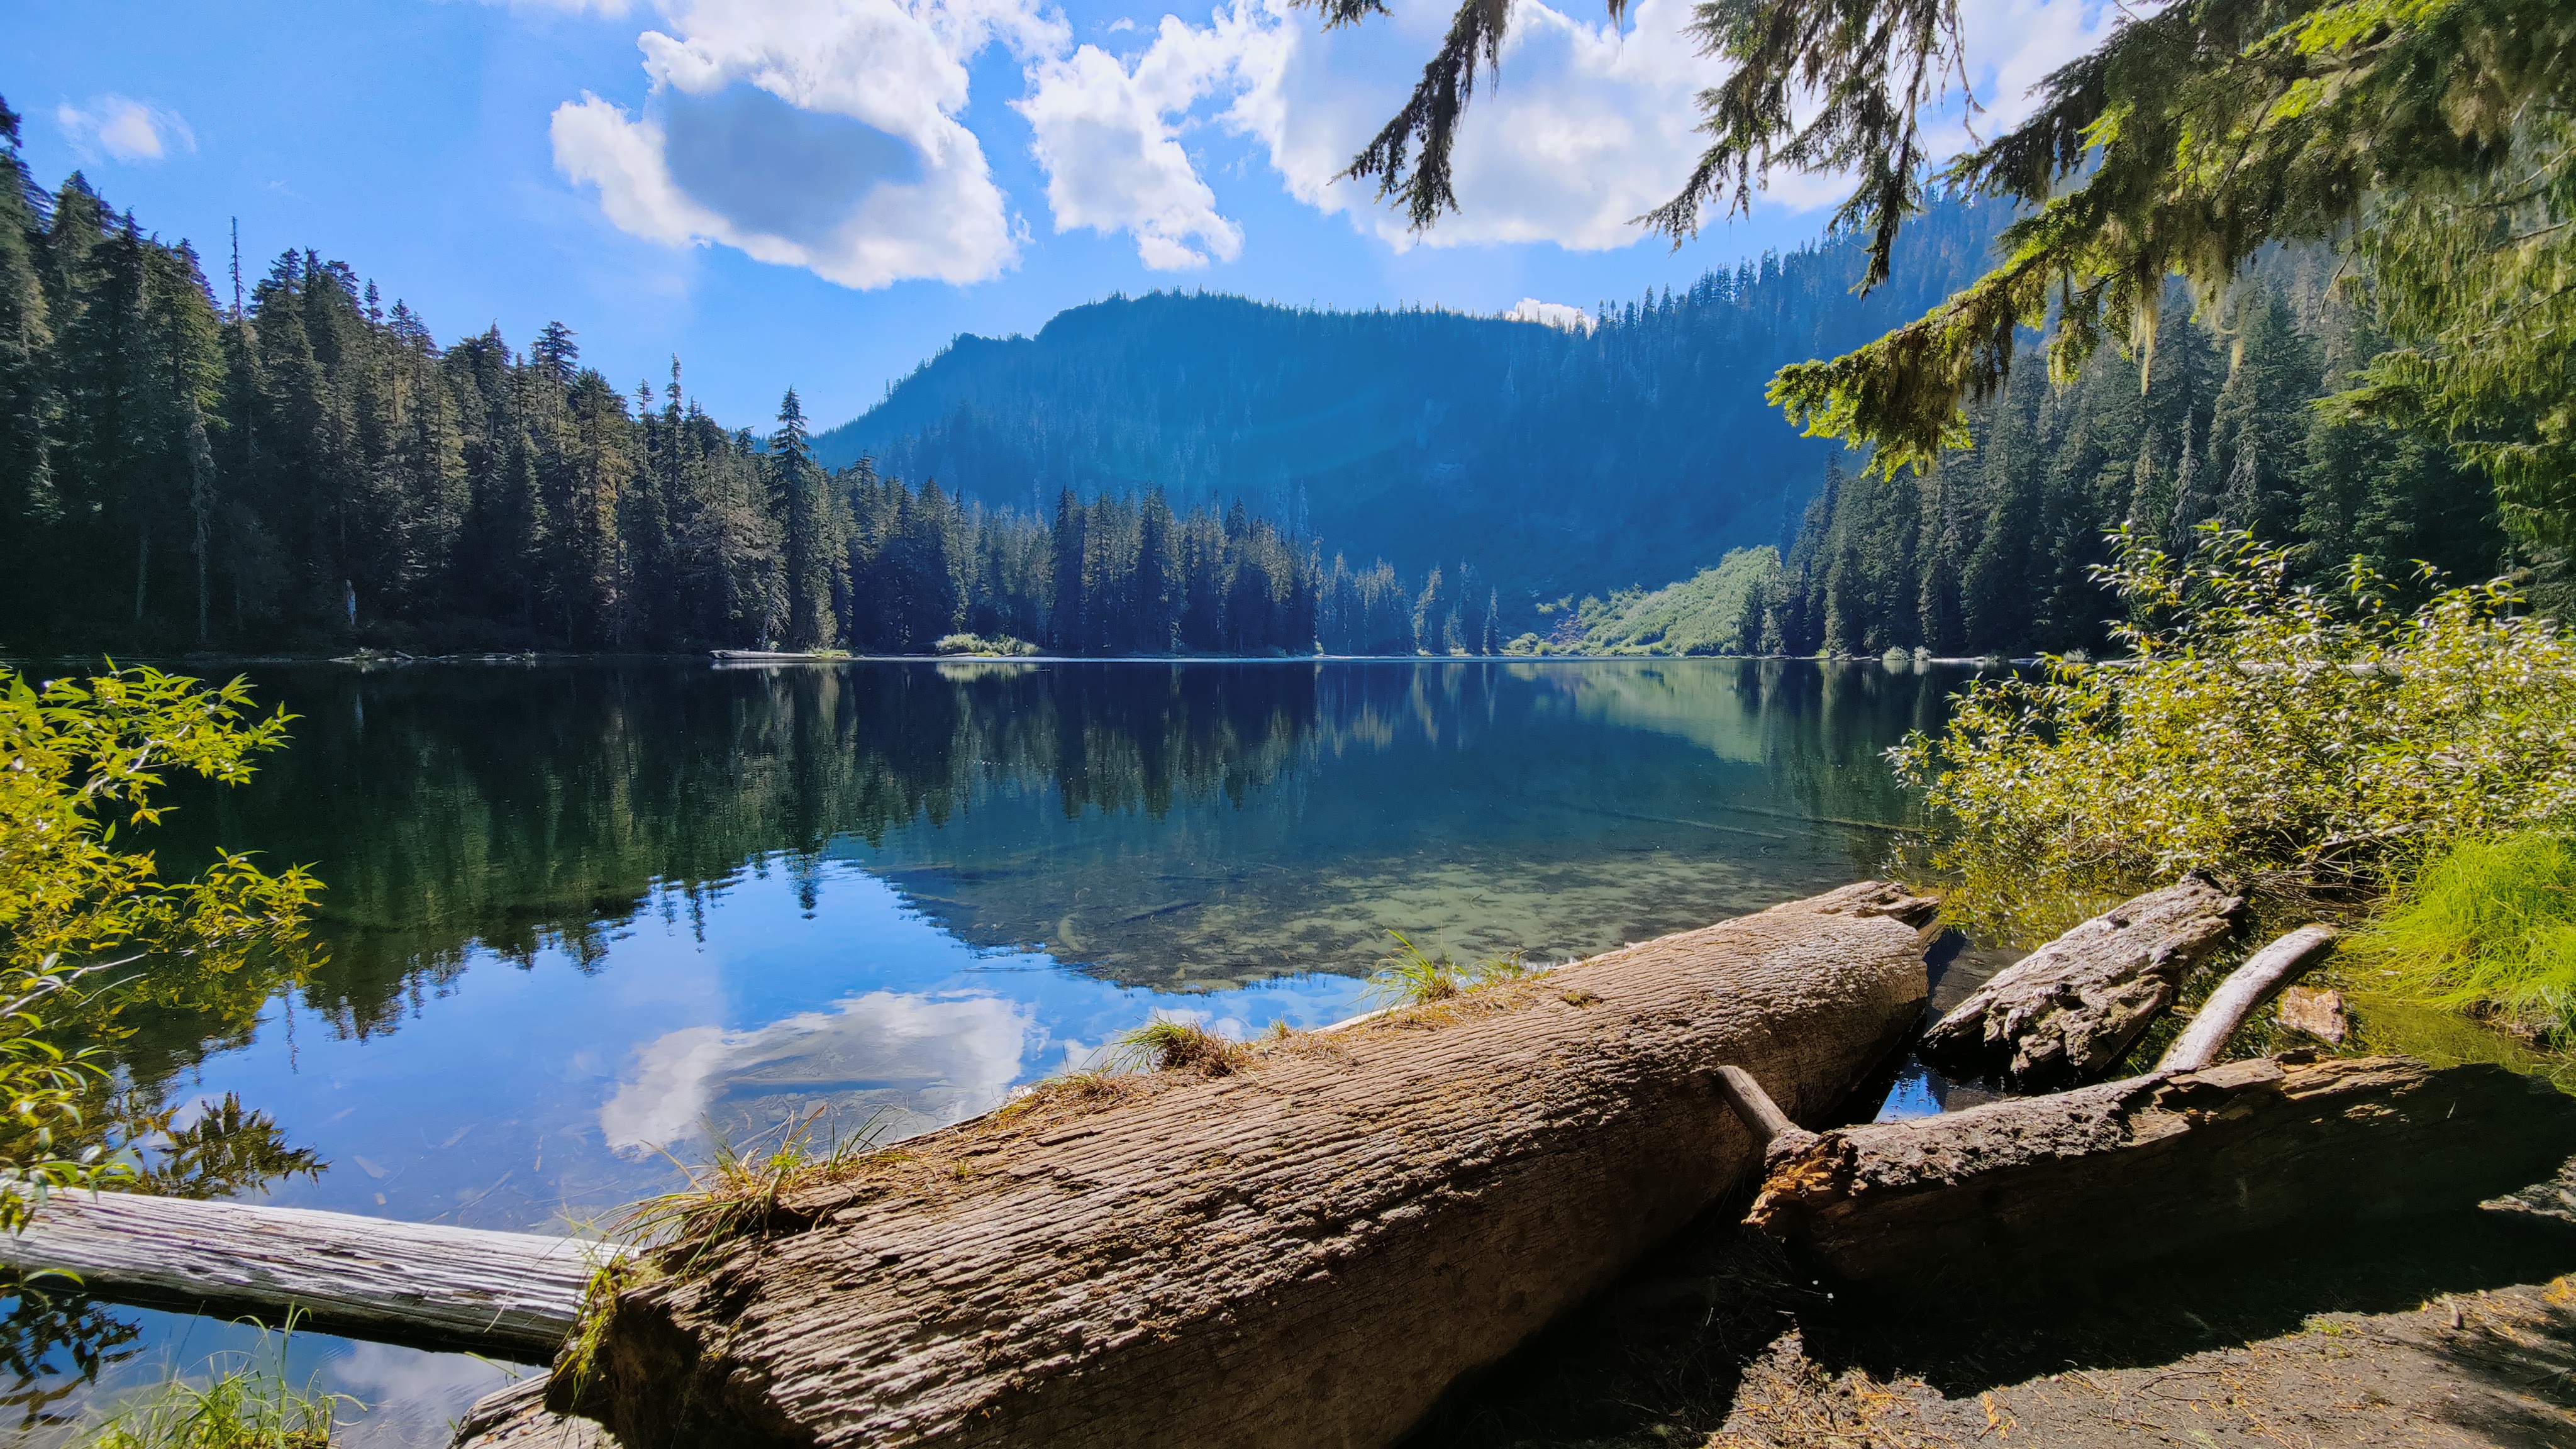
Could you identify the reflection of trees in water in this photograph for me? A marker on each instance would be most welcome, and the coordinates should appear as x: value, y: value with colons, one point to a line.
x: 524, y: 810
x: 521, y: 811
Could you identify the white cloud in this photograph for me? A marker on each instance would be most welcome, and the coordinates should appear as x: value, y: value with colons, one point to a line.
x: 126, y: 129
x: 1550, y: 314
x: 812, y: 133
x: 925, y: 1061
x: 1104, y: 132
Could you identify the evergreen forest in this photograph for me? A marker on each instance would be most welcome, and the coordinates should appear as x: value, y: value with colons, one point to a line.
x: 1992, y: 550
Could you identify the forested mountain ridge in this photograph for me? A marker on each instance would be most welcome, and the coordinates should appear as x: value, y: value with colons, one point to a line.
x: 304, y: 466
x: 1554, y: 462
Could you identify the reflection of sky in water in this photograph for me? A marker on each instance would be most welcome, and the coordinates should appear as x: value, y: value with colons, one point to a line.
x: 564, y: 942
x: 531, y: 1098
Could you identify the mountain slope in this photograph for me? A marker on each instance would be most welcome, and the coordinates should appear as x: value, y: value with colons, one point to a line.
x: 1553, y: 461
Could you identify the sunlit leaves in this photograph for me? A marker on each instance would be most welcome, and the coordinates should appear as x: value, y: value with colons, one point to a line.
x: 2288, y: 739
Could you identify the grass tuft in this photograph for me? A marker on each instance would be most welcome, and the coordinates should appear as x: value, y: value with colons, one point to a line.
x: 1180, y: 1046
x: 242, y: 1405
x: 1411, y: 976
x: 736, y: 1193
x: 2490, y: 929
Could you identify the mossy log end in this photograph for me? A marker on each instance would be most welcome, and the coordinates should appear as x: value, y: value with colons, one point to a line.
x: 2102, y: 1176
x: 1304, y: 1251
x: 2068, y: 1012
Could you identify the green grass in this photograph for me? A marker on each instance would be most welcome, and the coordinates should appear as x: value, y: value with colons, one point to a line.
x: 1410, y: 976
x: 2489, y: 929
x: 736, y: 1192
x: 1179, y: 1046
x: 240, y: 1405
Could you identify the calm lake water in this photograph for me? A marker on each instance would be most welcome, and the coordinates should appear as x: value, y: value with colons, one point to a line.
x: 579, y: 916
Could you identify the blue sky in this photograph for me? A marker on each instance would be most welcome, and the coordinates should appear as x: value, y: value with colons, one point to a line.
x: 822, y: 192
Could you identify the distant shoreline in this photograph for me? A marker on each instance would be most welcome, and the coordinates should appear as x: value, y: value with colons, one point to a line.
x: 397, y: 660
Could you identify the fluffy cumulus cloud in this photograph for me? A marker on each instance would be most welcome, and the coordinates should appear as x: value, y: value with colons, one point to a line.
x: 1105, y: 132
x: 812, y: 133
x: 826, y: 133
x: 123, y: 129
x: 1559, y: 315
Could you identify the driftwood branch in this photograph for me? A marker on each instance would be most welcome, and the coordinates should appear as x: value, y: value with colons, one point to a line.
x: 2101, y: 1176
x: 1308, y: 1249
x: 509, y: 1295
x: 2068, y: 1012
x: 1772, y: 1130
x: 2242, y: 994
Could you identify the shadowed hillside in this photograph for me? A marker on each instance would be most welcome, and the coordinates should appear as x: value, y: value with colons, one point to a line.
x: 1552, y: 461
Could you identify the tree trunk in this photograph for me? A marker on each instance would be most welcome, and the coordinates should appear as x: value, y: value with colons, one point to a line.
x: 2068, y: 1012
x: 2242, y: 994
x: 1306, y: 1250
x: 2107, y: 1175
x: 510, y: 1295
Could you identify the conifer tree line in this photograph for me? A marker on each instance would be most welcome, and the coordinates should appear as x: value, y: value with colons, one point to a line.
x: 1990, y: 551
x: 302, y: 464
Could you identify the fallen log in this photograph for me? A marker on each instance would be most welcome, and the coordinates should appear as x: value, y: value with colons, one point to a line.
x: 509, y: 1295
x: 2068, y: 1012
x: 1305, y: 1249
x: 2102, y: 1176
x: 517, y: 1418
x: 2242, y: 994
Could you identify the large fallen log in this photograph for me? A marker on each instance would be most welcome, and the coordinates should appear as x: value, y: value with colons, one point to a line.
x: 2106, y: 1175
x: 2068, y: 1012
x: 509, y: 1295
x: 1305, y: 1250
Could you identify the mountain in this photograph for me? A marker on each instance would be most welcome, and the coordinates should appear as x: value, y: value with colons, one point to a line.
x: 1553, y: 461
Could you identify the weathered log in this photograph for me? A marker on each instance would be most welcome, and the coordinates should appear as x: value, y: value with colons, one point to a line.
x: 2068, y: 1012
x: 1305, y: 1250
x: 2100, y: 1176
x: 517, y: 1418
x: 510, y: 1295
x: 2242, y: 994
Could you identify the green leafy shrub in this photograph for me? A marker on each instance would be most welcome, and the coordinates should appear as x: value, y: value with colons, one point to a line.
x: 1004, y: 646
x: 2489, y: 927
x: 2299, y: 744
x: 78, y: 761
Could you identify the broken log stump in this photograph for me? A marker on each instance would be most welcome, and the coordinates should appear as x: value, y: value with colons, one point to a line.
x: 2104, y: 1175
x: 1304, y: 1250
x: 2068, y: 1012
x: 467, y: 1290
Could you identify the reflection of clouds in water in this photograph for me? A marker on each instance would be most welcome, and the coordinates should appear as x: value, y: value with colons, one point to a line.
x: 925, y: 1061
x: 411, y: 1397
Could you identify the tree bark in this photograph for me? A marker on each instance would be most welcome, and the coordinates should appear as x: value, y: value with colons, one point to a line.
x: 510, y: 1295
x: 2103, y: 1176
x: 2068, y: 1012
x: 2242, y: 994
x: 1306, y: 1250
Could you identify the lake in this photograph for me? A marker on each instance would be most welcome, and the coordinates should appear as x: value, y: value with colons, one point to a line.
x: 580, y: 916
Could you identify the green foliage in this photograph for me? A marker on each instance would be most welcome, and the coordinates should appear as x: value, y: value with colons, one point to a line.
x: 2489, y: 926
x: 78, y: 761
x: 1716, y: 611
x: 1411, y: 976
x: 2262, y: 730
x: 1005, y: 647
x: 241, y: 1404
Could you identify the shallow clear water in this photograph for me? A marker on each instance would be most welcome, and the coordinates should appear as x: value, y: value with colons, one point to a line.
x: 580, y: 915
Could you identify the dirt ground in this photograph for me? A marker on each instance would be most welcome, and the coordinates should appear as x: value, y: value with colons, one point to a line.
x: 2452, y: 1331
